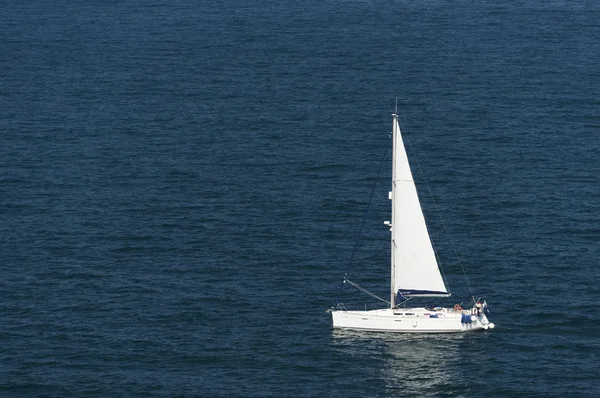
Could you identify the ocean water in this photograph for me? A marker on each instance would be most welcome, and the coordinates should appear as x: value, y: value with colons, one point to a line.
x: 181, y: 184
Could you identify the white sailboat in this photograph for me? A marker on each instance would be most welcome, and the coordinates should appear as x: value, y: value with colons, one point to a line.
x: 414, y: 269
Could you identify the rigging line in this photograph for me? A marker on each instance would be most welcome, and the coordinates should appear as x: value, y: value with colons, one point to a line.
x: 437, y: 209
x: 403, y: 303
x: 362, y: 289
x: 362, y: 224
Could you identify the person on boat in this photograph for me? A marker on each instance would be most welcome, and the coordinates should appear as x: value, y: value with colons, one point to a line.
x: 478, y: 306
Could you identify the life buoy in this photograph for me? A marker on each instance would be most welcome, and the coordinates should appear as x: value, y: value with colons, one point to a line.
x: 457, y: 307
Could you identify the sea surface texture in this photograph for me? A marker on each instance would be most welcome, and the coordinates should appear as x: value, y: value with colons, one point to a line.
x: 182, y: 184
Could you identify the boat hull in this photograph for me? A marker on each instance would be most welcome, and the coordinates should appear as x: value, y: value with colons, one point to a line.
x: 411, y: 320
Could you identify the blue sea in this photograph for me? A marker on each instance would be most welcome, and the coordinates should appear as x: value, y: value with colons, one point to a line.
x: 182, y: 184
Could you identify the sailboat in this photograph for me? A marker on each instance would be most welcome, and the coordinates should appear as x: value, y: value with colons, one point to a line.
x: 414, y: 269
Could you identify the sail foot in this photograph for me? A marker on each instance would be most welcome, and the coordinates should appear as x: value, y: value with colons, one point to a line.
x: 404, y: 293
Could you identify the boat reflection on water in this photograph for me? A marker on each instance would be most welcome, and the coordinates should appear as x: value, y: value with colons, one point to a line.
x: 407, y: 364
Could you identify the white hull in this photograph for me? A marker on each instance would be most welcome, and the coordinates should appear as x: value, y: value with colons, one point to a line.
x: 411, y: 320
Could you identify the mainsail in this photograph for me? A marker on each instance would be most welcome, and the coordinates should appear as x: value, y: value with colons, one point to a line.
x: 415, y: 270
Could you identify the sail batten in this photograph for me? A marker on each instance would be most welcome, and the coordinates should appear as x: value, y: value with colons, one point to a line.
x: 414, y: 265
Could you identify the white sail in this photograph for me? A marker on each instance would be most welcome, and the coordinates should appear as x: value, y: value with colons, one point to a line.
x: 415, y: 270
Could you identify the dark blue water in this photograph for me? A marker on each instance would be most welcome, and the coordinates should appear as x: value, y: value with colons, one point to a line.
x: 181, y: 184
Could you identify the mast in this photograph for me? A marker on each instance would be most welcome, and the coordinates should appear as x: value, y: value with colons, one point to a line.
x: 392, y: 193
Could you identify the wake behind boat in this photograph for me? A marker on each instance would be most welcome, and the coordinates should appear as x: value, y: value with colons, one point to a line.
x: 414, y: 269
